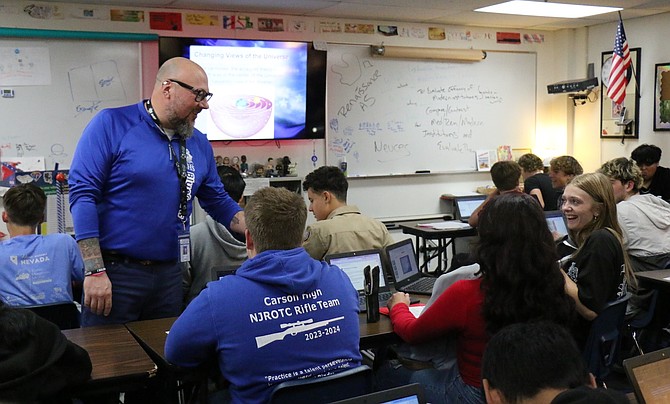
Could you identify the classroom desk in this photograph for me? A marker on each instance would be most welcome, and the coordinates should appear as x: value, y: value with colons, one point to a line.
x: 119, y: 363
x: 655, y: 278
x: 151, y: 335
x: 444, y: 238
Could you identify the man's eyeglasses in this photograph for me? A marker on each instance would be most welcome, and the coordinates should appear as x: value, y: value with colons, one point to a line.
x: 200, y: 94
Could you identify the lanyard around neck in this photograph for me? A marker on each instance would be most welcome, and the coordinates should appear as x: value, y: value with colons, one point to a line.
x: 179, y: 164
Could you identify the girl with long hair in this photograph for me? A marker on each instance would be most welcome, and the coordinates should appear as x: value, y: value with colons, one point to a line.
x: 520, y: 281
x: 598, y: 272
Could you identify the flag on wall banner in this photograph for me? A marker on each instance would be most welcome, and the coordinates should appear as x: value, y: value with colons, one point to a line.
x: 620, y: 64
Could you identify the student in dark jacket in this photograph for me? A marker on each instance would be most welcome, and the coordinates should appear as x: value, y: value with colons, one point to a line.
x: 37, y: 362
x: 536, y: 182
x: 656, y: 178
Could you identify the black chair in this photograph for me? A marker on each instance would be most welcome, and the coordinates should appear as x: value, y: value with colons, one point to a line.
x: 64, y: 315
x: 347, y: 384
x: 604, y: 340
x: 637, y: 323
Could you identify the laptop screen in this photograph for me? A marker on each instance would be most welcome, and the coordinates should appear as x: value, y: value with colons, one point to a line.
x: 402, y: 259
x: 407, y: 394
x: 556, y: 222
x: 467, y: 204
x: 649, y: 375
x: 353, y: 263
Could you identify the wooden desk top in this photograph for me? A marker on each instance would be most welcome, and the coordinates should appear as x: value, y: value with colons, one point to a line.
x: 151, y: 335
x: 114, y: 353
x: 376, y: 334
x: 430, y: 233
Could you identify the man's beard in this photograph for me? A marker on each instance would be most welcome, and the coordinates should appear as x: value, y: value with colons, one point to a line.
x: 181, y: 126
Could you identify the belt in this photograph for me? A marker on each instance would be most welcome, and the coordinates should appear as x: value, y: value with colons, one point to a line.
x: 412, y: 364
x: 114, y: 256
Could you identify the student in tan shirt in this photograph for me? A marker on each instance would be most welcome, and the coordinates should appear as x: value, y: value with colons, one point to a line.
x: 339, y: 227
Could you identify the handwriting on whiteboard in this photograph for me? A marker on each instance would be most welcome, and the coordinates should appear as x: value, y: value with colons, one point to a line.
x: 93, y: 85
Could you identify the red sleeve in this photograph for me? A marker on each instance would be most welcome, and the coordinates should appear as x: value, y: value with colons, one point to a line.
x: 447, y: 314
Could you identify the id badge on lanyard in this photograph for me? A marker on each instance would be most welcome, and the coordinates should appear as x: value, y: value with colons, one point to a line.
x: 183, y: 237
x: 184, y: 246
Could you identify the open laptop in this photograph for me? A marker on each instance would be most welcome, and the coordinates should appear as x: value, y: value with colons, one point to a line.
x: 556, y: 222
x: 219, y: 271
x: 650, y: 376
x: 352, y: 263
x: 407, y: 394
x: 465, y: 205
x: 404, y: 269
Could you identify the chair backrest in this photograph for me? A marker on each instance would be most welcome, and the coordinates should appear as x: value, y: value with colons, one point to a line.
x: 349, y: 383
x: 602, y: 345
x: 64, y: 315
x: 644, y: 319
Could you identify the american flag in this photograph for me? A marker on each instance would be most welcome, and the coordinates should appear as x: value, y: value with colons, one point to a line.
x: 620, y: 64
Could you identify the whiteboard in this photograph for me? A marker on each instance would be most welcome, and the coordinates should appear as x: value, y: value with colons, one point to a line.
x: 59, y: 85
x: 392, y: 116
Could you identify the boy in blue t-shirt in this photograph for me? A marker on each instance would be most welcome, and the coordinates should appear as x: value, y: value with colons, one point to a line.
x: 35, y: 269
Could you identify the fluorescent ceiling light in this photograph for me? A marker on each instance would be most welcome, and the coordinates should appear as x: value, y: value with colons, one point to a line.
x: 544, y: 9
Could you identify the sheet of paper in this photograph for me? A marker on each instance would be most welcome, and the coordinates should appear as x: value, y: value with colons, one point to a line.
x: 254, y: 184
x: 445, y: 225
x: 416, y: 310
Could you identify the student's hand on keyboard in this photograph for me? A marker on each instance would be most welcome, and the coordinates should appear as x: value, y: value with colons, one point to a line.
x: 398, y: 297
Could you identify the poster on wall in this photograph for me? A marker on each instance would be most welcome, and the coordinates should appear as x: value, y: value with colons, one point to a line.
x: 662, y: 97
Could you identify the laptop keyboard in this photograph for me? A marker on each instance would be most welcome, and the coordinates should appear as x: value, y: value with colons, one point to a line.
x: 422, y: 285
x: 383, y: 298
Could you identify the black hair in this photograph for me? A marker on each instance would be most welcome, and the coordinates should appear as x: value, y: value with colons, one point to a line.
x: 518, y: 262
x: 524, y: 358
x: 646, y: 154
x: 327, y: 178
x: 25, y: 204
x: 505, y: 175
x: 232, y: 181
x: 14, y: 323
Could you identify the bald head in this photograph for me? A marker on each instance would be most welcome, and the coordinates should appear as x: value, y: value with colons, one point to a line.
x: 181, y: 69
x: 173, y: 101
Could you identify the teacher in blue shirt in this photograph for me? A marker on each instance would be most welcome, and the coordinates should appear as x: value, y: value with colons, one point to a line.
x: 132, y: 182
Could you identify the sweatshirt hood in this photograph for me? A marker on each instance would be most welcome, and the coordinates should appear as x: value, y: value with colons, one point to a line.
x: 33, y: 356
x: 655, y: 209
x: 284, y: 269
x: 233, y: 247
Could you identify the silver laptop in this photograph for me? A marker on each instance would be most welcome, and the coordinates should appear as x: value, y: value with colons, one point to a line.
x: 352, y: 263
x: 556, y: 222
x: 465, y: 205
x: 404, y: 269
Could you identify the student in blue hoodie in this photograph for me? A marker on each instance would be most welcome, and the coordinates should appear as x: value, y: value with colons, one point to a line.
x: 282, y: 316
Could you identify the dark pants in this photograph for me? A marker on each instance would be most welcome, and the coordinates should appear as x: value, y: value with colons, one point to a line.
x: 140, y: 293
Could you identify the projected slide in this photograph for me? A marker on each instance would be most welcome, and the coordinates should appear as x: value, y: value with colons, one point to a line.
x: 259, y: 87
